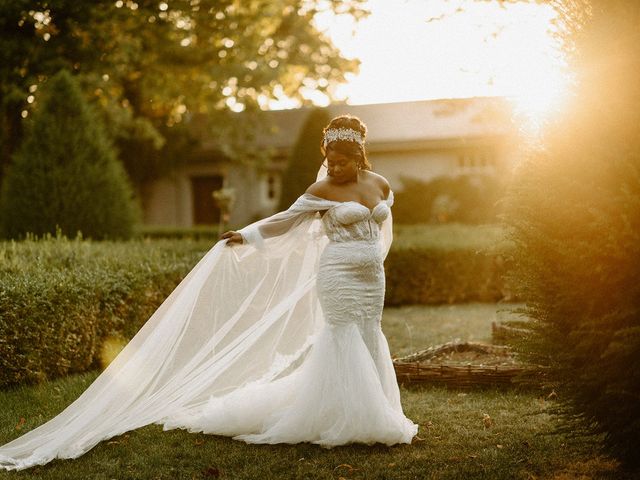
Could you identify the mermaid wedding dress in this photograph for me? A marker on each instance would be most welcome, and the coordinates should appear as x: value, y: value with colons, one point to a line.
x: 277, y: 341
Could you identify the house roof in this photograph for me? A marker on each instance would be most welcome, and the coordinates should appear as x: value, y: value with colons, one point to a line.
x: 404, y: 123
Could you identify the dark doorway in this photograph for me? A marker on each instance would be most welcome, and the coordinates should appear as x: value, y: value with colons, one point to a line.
x: 205, y: 211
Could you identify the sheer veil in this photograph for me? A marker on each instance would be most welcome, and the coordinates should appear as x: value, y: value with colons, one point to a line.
x: 243, y: 314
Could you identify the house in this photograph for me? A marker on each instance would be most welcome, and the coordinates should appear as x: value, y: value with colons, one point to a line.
x: 423, y: 140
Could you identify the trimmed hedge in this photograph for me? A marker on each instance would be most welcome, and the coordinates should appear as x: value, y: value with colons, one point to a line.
x: 200, y: 232
x: 432, y: 276
x: 453, y: 263
x: 62, y: 301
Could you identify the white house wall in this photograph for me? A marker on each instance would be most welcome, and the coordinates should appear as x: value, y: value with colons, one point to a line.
x: 418, y: 165
x: 419, y: 140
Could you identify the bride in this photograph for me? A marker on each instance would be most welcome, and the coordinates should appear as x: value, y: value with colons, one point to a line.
x: 273, y: 337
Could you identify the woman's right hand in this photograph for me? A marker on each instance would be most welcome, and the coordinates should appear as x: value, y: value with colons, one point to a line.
x: 232, y: 237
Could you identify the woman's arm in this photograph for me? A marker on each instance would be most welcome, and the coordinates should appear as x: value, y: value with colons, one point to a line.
x: 279, y: 223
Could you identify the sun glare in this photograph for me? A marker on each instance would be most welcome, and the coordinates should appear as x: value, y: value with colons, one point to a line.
x: 419, y: 49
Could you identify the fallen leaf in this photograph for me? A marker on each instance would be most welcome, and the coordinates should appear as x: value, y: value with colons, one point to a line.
x: 499, y: 446
x: 212, y: 472
x: 20, y: 423
x: 487, y: 421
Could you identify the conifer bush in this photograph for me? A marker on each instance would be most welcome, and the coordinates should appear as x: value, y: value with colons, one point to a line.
x: 65, y: 174
x: 574, y: 211
x: 305, y: 158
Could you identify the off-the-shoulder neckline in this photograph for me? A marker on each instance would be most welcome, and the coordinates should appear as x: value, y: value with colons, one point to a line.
x: 389, y: 197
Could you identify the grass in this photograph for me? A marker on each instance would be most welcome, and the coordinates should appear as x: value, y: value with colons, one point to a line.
x: 455, y: 441
x: 416, y: 327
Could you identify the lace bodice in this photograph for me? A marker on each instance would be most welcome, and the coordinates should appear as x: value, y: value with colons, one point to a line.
x: 341, y: 221
x: 352, y: 221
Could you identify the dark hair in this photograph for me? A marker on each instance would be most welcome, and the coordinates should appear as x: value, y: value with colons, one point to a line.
x: 345, y: 147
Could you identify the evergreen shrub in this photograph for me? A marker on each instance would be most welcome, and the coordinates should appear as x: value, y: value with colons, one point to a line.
x: 305, y: 159
x: 575, y: 216
x: 65, y: 174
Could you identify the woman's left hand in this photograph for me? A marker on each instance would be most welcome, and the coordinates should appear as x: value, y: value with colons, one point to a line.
x: 232, y: 237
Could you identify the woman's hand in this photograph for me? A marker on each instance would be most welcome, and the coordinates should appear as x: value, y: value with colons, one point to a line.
x: 232, y: 237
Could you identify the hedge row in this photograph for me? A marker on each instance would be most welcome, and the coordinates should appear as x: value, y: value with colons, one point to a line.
x: 63, y: 301
x: 60, y: 300
x: 452, y: 263
x: 432, y: 276
x: 200, y: 232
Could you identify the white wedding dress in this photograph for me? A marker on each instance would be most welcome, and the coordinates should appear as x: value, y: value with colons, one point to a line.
x: 278, y: 341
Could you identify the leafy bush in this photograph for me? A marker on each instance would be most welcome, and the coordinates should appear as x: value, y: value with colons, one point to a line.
x: 65, y: 173
x: 465, y: 198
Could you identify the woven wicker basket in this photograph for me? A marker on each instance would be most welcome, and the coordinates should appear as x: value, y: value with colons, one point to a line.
x: 420, y: 368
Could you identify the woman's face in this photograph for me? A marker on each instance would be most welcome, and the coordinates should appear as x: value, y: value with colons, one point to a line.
x: 341, y: 167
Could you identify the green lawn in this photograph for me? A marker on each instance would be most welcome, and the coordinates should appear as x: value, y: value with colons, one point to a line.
x: 455, y: 442
x: 416, y: 327
x: 450, y: 236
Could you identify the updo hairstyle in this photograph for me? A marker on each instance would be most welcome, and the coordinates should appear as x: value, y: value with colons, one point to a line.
x: 345, y: 147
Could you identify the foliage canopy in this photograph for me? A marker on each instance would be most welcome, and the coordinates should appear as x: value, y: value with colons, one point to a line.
x: 153, y: 66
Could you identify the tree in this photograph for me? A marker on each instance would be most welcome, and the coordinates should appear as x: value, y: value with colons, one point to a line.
x: 66, y: 174
x: 151, y: 65
x: 305, y: 158
x: 575, y: 216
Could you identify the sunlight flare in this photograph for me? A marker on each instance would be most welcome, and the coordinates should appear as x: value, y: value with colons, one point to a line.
x: 416, y: 50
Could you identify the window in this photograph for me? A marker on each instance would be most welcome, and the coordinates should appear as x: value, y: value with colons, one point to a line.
x: 476, y: 160
x: 271, y: 186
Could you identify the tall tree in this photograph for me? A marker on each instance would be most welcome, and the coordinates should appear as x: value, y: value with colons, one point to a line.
x: 305, y: 158
x: 575, y: 214
x: 153, y: 65
x: 66, y: 174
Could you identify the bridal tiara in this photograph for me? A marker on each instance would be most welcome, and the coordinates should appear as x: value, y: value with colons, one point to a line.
x: 348, y: 134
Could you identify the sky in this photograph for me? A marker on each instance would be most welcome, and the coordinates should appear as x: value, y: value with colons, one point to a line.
x: 430, y: 49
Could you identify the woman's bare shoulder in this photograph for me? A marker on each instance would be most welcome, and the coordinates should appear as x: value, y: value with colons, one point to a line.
x: 380, y: 181
x: 319, y: 189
